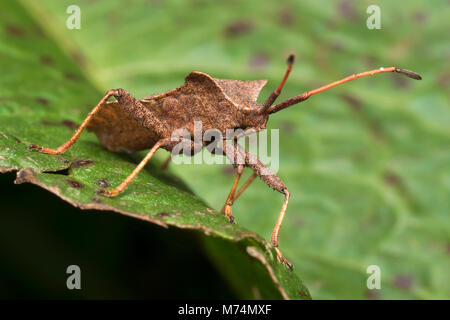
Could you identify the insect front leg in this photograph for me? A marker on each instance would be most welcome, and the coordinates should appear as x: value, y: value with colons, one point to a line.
x: 226, y: 210
x: 63, y: 148
x: 244, y: 186
x: 139, y: 167
x: 187, y: 145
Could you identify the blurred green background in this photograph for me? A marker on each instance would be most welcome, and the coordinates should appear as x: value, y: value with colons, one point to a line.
x: 367, y: 164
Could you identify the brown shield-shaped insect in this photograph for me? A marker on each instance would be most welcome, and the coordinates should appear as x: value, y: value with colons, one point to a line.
x: 136, y: 124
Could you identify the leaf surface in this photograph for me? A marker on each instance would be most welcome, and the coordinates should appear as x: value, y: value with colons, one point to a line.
x: 46, y: 90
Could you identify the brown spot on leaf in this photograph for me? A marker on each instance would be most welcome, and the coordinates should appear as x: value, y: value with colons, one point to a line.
x: 163, y: 214
x: 238, y: 28
x: 370, y: 61
x: 352, y: 101
x: 372, y: 294
x: 288, y: 127
x: 74, y: 183
x: 285, y: 17
x: 336, y: 46
x: 392, y: 179
x: 403, y: 282
x: 443, y: 80
x: 375, y: 129
x: 400, y: 82
x: 331, y: 24
x: 80, y: 163
x: 97, y: 200
x: 39, y: 32
x: 70, y: 124
x: 71, y: 76
x: 46, y: 60
x: 420, y: 17
x: 42, y: 101
x: 14, y: 30
x: 79, y: 58
x: 113, y: 17
x: 103, y: 183
x: 48, y: 123
x: 66, y: 123
x: 303, y: 293
x: 299, y: 221
x: 359, y: 156
x: 24, y: 175
x: 258, y: 61
x: 347, y: 10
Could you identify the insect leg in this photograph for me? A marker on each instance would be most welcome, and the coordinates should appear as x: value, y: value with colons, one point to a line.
x: 233, y: 195
x: 126, y: 182
x: 272, y: 180
x: 63, y: 148
x: 227, y: 207
x: 239, y: 192
x: 244, y: 186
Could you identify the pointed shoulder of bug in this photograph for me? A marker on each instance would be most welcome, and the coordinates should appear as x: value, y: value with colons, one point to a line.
x: 239, y: 93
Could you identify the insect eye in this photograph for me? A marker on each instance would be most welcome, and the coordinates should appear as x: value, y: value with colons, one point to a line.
x: 246, y: 110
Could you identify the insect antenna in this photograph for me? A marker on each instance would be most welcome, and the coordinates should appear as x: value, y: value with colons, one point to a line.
x: 306, y: 95
x: 290, y: 61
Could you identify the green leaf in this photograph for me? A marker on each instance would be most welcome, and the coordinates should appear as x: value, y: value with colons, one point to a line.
x: 367, y: 164
x: 47, y: 89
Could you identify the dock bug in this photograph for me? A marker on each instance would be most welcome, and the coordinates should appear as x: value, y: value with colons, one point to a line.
x: 136, y: 124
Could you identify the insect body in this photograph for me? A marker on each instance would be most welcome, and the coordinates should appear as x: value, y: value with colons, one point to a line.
x: 136, y: 124
x: 130, y: 124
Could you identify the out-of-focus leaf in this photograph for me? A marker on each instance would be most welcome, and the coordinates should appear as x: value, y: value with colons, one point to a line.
x: 367, y: 164
x: 45, y: 91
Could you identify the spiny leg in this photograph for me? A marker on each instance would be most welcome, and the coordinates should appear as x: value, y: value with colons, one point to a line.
x: 227, y: 207
x: 126, y: 182
x: 276, y: 229
x: 277, y: 91
x: 63, y: 148
x: 275, y: 183
x: 233, y: 195
x: 272, y: 180
x: 302, y: 97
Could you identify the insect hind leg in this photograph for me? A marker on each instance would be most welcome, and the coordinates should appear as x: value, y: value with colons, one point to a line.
x: 236, y: 153
x: 65, y: 146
